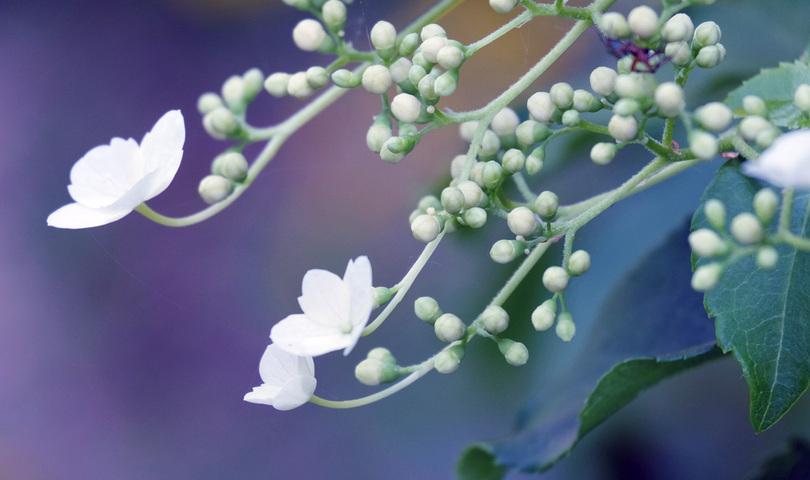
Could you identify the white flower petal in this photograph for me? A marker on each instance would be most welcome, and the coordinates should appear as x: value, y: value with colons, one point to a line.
x: 114, y: 179
x: 786, y: 163
x: 325, y: 298
x: 358, y: 281
x: 289, y: 380
x: 300, y: 335
x: 75, y: 215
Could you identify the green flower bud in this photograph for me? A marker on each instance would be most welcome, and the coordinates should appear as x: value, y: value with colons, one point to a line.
x: 767, y: 257
x: 643, y: 21
x: 409, y: 44
x: 531, y: 131
x: 504, y: 251
x: 669, y: 99
x: 373, y: 371
x: 622, y: 128
x: 449, y: 328
x: 626, y: 107
x: 746, y: 229
x: 427, y: 309
x: 209, y: 101
x: 571, y: 118
x: 521, y: 221
x: 707, y: 243
x: 603, y: 80
x: 345, y: 78
x: 445, y: 84
x: 562, y: 95
x: 706, y: 34
x: 602, y: 153
x: 513, y: 160
x: 317, y: 77
x: 565, y: 327
x: 448, y: 360
x: 765, y: 204
x: 492, y: 175
x: 584, y: 101
x: 426, y: 228
x: 543, y: 316
x: 515, y: 353
x: 494, y: 319
x: 703, y: 145
x: 382, y: 295
x: 214, y: 189
x: 450, y: 57
x: 705, y: 277
x: 475, y: 217
x: 715, y: 213
x: 714, y: 116
x: 678, y: 28
x: 546, y: 205
x: 233, y: 90
x: 579, y: 262
x: 377, y: 79
x: 678, y: 53
x: 555, y: 279
x: 452, y: 199
x: 751, y: 126
x: 534, y: 162
x: 711, y: 56
x: 220, y: 123
x: 232, y: 165
x: 429, y: 202
x: 754, y: 105
x: 629, y: 85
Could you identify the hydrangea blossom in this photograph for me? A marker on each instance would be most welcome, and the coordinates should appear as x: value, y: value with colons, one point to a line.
x: 288, y: 380
x: 786, y: 163
x: 335, y: 311
x: 109, y: 181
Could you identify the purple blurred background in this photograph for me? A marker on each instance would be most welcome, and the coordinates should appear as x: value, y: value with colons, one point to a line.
x: 125, y: 350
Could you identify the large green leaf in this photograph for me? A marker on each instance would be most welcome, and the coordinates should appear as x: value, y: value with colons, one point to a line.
x: 776, y: 86
x: 652, y: 326
x: 763, y: 316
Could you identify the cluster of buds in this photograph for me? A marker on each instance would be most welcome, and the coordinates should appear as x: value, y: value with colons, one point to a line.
x: 747, y: 234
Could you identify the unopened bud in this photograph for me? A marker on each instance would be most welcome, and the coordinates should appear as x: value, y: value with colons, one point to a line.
x: 427, y: 309
x: 706, y: 277
x: 495, y: 319
x: 514, y: 352
x: 555, y: 279
x: 543, y: 316
x: 449, y: 328
x: 565, y: 327
x: 746, y: 229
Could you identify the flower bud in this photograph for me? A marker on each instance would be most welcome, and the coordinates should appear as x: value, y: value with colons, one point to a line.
x: 475, y: 217
x: 426, y: 228
x: 344, y: 78
x: 706, y: 34
x: 334, y: 14
x: 602, y: 153
x: 214, y: 189
x: 427, y: 309
x: 409, y: 44
x: 373, y: 371
x: 382, y: 295
x: 626, y: 107
x: 571, y: 118
x: 449, y: 328
x: 706, y: 243
x: 579, y: 262
x: 679, y: 53
x: 308, y: 35
x: 555, y: 279
x: 445, y: 84
x: 503, y: 6
x: 450, y: 57
x: 751, y: 126
x: 678, y: 28
x: 376, y: 79
x: 220, y: 123
x: 492, y: 174
x: 400, y: 69
x: 432, y: 30
x: 546, y: 205
x: 448, y: 360
x: 298, y: 86
x: 452, y: 199
x: 802, y: 97
x: 252, y: 82
x: 494, y: 319
x: 565, y: 327
x: 703, y: 145
x: 489, y: 145
x: 472, y: 193
x: 629, y: 85
x: 317, y: 77
x: 714, y: 116
x: 377, y: 135
x: 584, y: 101
x: 543, y: 316
x: 514, y: 352
x: 208, y: 102
x: 746, y: 229
x: 669, y: 99
x: 767, y: 257
x: 603, y: 80
x: 623, y: 129
x: 541, y: 107
x: 765, y: 204
x: 513, y: 160
x: 504, y: 251
x: 643, y: 21
x: 505, y: 122
x: 521, y: 221
x: 754, y: 105
x: 711, y: 56
x: 614, y: 25
x: 534, y: 162
x: 715, y: 213
x: 427, y: 202
x: 232, y: 165
x: 383, y: 36
x: 233, y: 90
x: 706, y: 277
x: 406, y: 107
x: 562, y: 95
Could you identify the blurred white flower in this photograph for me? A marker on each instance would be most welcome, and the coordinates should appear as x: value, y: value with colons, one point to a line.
x: 288, y: 380
x: 335, y: 311
x: 786, y: 163
x: 109, y: 181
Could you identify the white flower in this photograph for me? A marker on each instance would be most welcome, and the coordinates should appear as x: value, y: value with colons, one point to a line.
x: 109, y: 181
x: 786, y: 163
x: 288, y: 380
x: 335, y: 311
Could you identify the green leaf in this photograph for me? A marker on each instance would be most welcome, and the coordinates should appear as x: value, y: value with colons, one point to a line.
x: 477, y: 464
x: 763, y: 316
x: 653, y: 326
x: 776, y: 87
